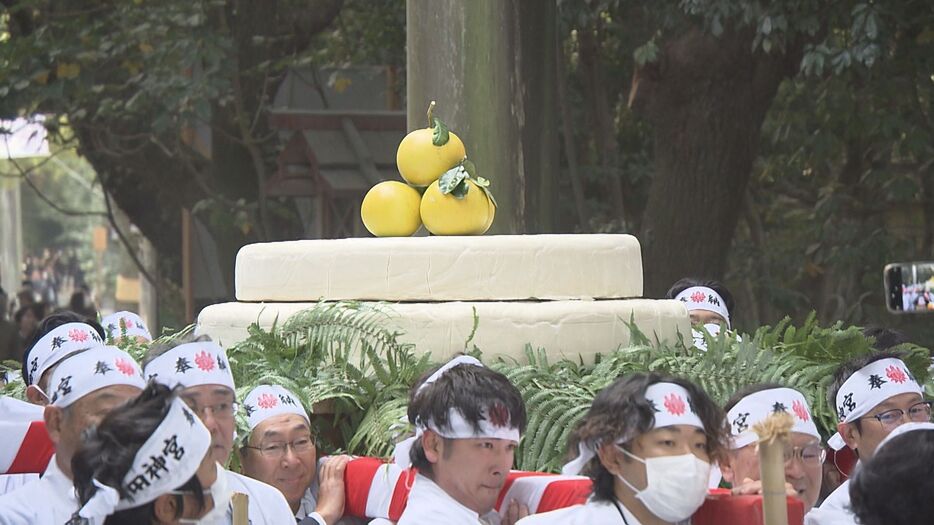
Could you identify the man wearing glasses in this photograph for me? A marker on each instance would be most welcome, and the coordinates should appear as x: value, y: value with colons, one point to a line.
x: 803, y: 458
x: 280, y: 450
x: 200, y: 366
x: 872, y: 396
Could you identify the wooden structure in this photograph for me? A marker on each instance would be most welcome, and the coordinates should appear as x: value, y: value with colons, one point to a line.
x: 330, y: 159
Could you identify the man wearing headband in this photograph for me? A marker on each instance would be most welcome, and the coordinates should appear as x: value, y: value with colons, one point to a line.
x: 200, y: 367
x: 895, y: 486
x: 646, y: 443
x: 126, y: 324
x: 468, y: 420
x: 280, y: 450
x: 84, y: 387
x: 709, y: 304
x: 57, y: 336
x: 148, y: 462
x: 803, y: 458
x: 872, y: 395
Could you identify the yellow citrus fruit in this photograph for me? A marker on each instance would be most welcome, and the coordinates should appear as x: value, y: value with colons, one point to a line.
x: 420, y: 162
x: 448, y: 215
x: 390, y: 209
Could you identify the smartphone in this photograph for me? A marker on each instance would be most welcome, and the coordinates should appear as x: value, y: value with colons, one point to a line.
x: 909, y: 287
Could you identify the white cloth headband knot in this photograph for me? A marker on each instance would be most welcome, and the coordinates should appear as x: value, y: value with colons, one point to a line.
x: 266, y: 401
x: 115, y: 324
x: 704, y: 298
x: 673, y: 406
x: 760, y: 405
x: 166, y: 461
x: 191, y: 364
x: 80, y: 374
x: 59, y: 342
x: 869, y: 386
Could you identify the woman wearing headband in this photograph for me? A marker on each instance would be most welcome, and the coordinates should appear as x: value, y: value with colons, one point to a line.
x: 647, y: 443
x: 149, y: 462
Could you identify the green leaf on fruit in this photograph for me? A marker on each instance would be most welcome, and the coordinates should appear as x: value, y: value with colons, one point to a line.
x: 440, y: 133
x: 483, y: 183
x: 490, y: 195
x: 460, y: 191
x: 451, y: 179
x: 470, y: 167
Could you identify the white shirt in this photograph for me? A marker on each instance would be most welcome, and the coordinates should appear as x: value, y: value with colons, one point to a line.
x: 11, y: 482
x: 267, y: 505
x: 49, y: 501
x: 835, y: 510
x: 429, y: 504
x: 590, y: 513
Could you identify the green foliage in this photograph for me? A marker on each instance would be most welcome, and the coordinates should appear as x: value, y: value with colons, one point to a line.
x: 801, y: 357
x: 338, y: 354
x: 9, y: 370
x: 370, y: 388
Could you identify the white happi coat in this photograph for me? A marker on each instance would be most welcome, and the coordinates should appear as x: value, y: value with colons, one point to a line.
x: 590, y: 513
x: 835, y: 510
x: 14, y: 409
x: 429, y: 504
x: 267, y: 505
x: 51, y: 500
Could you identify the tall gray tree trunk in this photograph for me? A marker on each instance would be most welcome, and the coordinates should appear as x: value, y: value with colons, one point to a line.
x: 490, y: 65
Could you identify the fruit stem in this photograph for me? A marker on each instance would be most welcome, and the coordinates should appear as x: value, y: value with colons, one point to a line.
x: 431, y: 107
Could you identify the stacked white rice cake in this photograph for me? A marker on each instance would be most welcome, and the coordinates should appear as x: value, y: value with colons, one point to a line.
x: 572, y: 295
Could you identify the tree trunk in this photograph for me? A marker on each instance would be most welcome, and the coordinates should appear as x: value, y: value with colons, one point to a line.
x: 602, y: 116
x: 706, y: 99
x: 490, y: 65
x: 570, y: 148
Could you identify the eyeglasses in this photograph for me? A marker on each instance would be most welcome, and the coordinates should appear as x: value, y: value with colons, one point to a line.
x: 277, y: 450
x: 811, y: 455
x: 919, y: 412
x: 222, y: 411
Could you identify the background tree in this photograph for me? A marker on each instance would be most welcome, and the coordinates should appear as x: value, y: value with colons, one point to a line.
x: 783, y: 146
x: 136, y: 81
x: 805, y: 124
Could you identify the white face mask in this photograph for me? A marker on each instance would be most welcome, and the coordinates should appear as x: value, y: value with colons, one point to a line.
x: 221, y: 495
x: 712, y: 328
x: 676, y: 485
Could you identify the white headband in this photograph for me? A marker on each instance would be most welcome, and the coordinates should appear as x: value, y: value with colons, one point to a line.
x: 91, y: 370
x: 493, y: 425
x: 673, y: 406
x: 166, y: 461
x: 115, y: 324
x: 904, y: 429
x: 704, y: 298
x: 758, y: 406
x: 60, y: 341
x: 266, y: 401
x: 191, y: 364
x: 869, y: 386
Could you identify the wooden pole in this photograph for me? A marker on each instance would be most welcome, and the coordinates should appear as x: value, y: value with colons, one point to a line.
x: 187, y: 291
x: 773, y: 438
x: 241, y: 508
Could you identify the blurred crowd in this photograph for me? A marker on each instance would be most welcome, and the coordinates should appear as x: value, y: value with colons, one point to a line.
x: 48, y: 279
